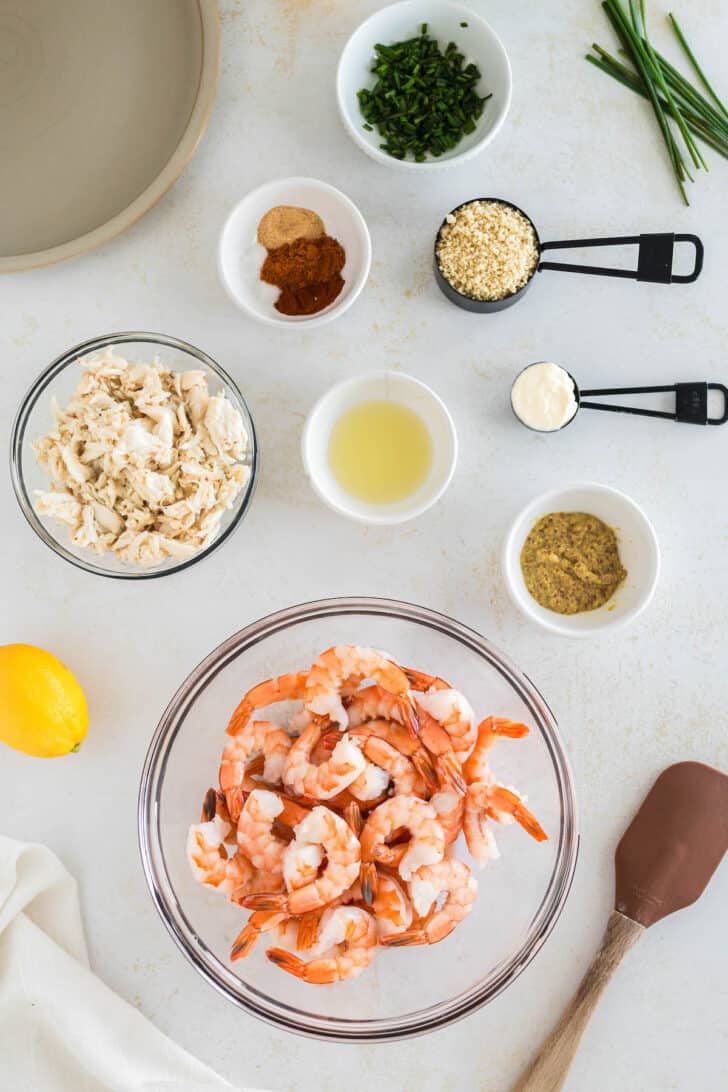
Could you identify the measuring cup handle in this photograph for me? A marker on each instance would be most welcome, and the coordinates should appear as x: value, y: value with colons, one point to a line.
x: 688, y: 278
x: 724, y: 416
x: 654, y: 257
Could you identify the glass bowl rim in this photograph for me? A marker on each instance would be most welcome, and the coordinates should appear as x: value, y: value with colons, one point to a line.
x: 279, y: 1014
x: 41, y: 383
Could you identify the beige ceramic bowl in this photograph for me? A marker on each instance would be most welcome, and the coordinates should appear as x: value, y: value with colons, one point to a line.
x: 102, y: 104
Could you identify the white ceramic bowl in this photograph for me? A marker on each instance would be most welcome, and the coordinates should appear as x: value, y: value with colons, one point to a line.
x: 240, y: 256
x: 400, y: 388
x: 400, y: 21
x: 638, y: 549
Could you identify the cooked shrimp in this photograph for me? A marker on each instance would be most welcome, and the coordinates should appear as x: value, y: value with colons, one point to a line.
x: 350, y: 932
x: 391, y: 906
x: 262, y: 921
x: 479, y: 837
x: 450, y: 808
x: 341, y: 669
x: 426, y: 845
x: 259, y: 737
x: 374, y: 704
x: 288, y: 687
x: 489, y: 730
x: 371, y: 784
x: 257, y: 839
x: 504, y: 805
x: 395, y: 765
x: 373, y: 712
x: 452, y: 710
x: 451, y: 878
x: 302, y: 778
x: 437, y: 741
x: 342, y: 858
x: 308, y: 924
x: 209, y: 859
x: 301, y: 864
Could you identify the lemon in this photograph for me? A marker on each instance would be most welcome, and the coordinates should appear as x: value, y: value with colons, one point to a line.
x: 43, y: 709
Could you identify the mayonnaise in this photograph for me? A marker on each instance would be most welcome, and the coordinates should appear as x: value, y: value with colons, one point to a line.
x: 543, y: 397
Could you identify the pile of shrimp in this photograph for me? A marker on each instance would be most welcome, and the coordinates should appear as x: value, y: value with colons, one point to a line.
x: 339, y: 831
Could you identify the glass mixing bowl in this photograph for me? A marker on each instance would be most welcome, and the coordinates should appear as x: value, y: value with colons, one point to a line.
x: 35, y: 418
x: 406, y: 991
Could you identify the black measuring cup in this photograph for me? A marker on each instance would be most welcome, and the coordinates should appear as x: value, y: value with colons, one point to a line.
x: 654, y: 261
x: 691, y: 402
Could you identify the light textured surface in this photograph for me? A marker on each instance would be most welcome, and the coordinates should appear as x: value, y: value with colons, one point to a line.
x: 582, y: 157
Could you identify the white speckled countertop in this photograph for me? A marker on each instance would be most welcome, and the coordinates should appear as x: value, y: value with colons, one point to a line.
x: 582, y: 156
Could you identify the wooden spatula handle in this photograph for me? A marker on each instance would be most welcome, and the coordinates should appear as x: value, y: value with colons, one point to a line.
x: 548, y: 1070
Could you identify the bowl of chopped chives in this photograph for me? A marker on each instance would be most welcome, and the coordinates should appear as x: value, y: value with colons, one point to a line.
x: 423, y: 84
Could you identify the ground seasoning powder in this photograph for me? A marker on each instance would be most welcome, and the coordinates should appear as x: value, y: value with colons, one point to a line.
x: 308, y: 273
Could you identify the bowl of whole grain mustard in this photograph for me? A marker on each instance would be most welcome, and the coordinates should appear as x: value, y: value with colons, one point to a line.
x: 581, y: 560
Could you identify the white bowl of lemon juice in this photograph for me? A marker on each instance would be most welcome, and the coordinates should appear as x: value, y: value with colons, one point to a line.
x: 380, y: 448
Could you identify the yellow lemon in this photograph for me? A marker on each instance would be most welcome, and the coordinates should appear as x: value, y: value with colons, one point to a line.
x: 42, y: 706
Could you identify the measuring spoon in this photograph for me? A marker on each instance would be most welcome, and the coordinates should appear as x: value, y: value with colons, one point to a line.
x: 691, y: 401
x: 654, y: 261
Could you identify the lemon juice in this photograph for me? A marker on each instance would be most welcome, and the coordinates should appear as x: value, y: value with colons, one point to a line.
x: 380, y: 451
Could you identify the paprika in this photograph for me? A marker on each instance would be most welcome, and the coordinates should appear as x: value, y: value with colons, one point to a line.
x: 308, y: 272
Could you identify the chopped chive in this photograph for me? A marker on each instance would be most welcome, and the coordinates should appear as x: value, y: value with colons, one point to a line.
x: 425, y: 99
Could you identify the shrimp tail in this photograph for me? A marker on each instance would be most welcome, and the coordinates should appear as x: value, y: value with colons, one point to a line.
x: 264, y: 902
x: 255, y: 767
x: 369, y: 882
x: 308, y: 927
x: 404, y: 940
x: 209, y: 806
x: 407, y: 715
x: 501, y: 726
x: 509, y: 802
x: 422, y: 763
x: 241, y: 715
x: 244, y: 943
x: 287, y: 961
x: 353, y: 816
x: 319, y: 973
x: 450, y: 773
x: 420, y: 680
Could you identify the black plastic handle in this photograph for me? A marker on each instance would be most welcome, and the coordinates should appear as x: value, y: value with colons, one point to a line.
x: 654, y: 257
x: 691, y: 402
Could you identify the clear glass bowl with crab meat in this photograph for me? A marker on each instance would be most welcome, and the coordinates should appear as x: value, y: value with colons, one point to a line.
x: 133, y: 455
x: 406, y: 989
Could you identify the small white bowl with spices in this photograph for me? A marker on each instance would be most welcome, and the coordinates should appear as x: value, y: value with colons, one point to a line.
x: 445, y: 22
x: 291, y: 208
x: 638, y: 554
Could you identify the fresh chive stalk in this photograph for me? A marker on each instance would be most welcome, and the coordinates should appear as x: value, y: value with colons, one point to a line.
x: 672, y: 96
x: 691, y: 57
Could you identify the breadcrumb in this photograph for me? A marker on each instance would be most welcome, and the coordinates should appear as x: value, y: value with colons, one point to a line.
x: 487, y: 250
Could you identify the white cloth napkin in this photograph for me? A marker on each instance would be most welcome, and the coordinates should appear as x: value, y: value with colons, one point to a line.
x: 61, y: 1028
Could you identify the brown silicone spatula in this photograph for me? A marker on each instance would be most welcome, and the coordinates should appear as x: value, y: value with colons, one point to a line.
x: 664, y: 861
